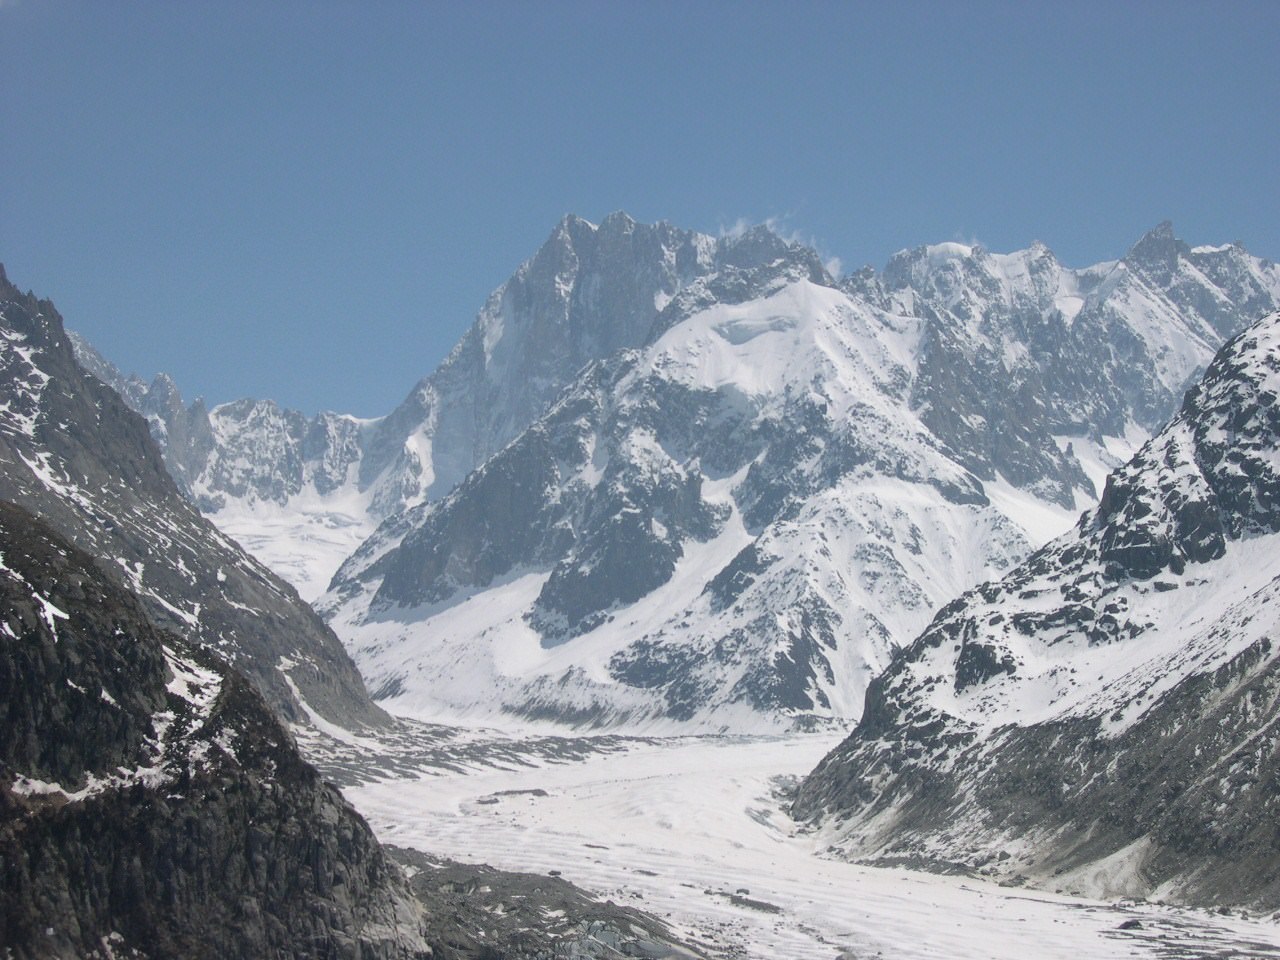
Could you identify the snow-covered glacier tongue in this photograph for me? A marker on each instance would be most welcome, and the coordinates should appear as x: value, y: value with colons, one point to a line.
x: 732, y: 520
x: 1102, y: 720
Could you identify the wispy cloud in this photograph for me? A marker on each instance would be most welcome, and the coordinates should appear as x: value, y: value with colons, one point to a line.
x: 969, y: 240
x: 736, y: 229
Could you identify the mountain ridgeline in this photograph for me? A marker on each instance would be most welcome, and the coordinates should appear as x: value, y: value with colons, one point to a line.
x: 667, y: 478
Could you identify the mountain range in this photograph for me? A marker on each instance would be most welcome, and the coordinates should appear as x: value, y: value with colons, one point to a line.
x: 666, y: 481
x: 700, y: 483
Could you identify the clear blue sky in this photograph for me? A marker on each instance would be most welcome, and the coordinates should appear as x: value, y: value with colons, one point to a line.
x: 310, y: 201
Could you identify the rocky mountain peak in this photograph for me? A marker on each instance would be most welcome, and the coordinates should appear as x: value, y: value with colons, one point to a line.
x: 1210, y: 476
x: 163, y: 396
x: 906, y: 267
x: 619, y: 221
x: 760, y: 247
x: 677, y: 473
x: 1157, y: 252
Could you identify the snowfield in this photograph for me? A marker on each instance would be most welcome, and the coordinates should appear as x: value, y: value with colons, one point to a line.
x: 304, y: 541
x: 694, y: 830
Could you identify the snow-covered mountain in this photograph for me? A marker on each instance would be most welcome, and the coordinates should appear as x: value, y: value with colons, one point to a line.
x: 605, y: 503
x: 734, y: 523
x: 74, y: 454
x: 1103, y: 719
x: 302, y: 493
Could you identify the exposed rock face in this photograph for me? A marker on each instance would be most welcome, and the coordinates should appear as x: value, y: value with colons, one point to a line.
x: 736, y: 520
x: 184, y: 434
x: 1103, y: 718
x: 589, y: 291
x: 72, y: 452
x: 150, y: 803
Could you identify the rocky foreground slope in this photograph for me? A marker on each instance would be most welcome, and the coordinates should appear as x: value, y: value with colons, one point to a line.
x: 1103, y: 719
x: 150, y: 803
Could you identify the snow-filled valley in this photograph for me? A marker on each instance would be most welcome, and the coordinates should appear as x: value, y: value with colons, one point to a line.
x: 303, y: 543
x: 695, y: 830
x: 675, y: 512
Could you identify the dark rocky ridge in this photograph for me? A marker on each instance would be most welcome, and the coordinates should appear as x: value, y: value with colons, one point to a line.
x: 183, y: 432
x: 184, y: 823
x: 1162, y: 778
x: 73, y: 452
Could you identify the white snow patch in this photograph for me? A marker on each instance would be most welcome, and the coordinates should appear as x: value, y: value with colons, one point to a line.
x: 303, y: 541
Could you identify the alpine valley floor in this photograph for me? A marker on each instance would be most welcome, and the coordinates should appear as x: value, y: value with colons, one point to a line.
x: 695, y: 830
